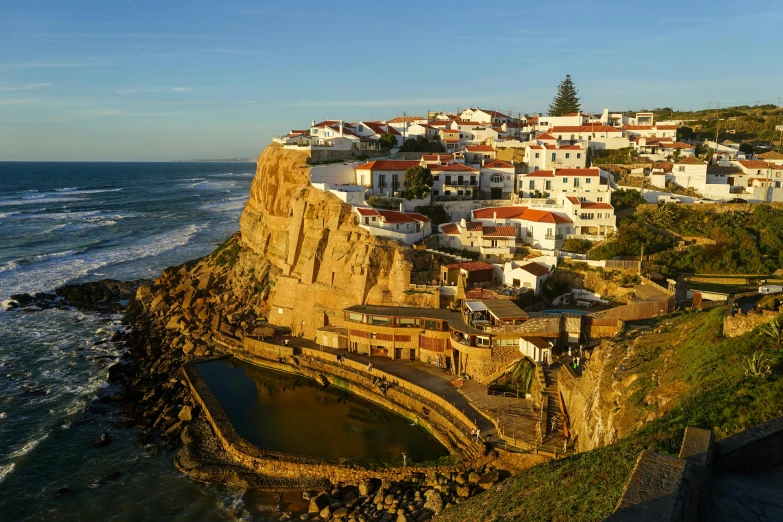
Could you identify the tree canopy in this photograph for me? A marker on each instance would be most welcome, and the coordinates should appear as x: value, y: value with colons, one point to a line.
x: 418, y: 182
x: 565, y: 101
x: 422, y: 144
x: 388, y: 141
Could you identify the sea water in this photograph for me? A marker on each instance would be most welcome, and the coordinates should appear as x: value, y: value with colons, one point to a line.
x: 73, y: 222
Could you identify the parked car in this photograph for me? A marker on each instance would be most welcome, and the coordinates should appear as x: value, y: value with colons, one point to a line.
x: 704, y: 201
x: 736, y: 200
x: 667, y: 199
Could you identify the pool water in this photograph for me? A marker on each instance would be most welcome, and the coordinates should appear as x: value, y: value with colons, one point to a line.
x: 291, y: 414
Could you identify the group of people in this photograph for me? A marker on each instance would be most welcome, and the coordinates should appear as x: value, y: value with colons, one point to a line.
x: 476, y: 432
x: 340, y: 359
x: 382, y: 383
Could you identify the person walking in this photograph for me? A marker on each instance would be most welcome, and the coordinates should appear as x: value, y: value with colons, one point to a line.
x: 478, y: 434
x: 369, y: 367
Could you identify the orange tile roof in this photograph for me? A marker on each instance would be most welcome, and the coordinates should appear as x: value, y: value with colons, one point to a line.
x: 538, y: 147
x: 499, y: 212
x: 578, y: 172
x: 544, y: 216
x: 677, y: 145
x: 637, y: 127
x: 540, y: 174
x: 753, y: 164
x: 480, y: 293
x: 473, y: 226
x: 771, y: 155
x: 419, y: 217
x: 403, y: 119
x: 498, y: 164
x: 574, y: 200
x: 480, y: 148
x: 663, y: 165
x: 546, y: 137
x: 589, y: 204
x: 666, y: 127
x: 690, y: 160
x: 499, y: 231
x: 389, y: 165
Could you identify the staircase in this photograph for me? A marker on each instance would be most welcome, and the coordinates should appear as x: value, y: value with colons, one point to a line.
x: 551, y: 391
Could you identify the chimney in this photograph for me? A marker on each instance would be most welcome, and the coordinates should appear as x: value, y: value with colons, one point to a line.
x: 495, y: 216
x: 463, y: 223
x: 341, y: 128
x: 401, y: 208
x: 313, y: 124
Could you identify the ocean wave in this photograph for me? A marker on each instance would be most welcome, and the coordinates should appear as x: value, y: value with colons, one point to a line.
x: 37, y: 201
x: 5, y: 470
x: 28, y: 447
x: 211, y: 185
x: 51, y: 273
x: 76, y: 190
x: 234, y: 174
x: 226, y: 205
x: 4, y: 215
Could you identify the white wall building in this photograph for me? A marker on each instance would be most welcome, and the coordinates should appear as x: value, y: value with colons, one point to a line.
x: 525, y: 274
x: 498, y: 180
x: 404, y: 227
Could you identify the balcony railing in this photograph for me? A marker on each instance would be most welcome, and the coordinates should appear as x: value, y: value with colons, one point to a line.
x: 553, y: 236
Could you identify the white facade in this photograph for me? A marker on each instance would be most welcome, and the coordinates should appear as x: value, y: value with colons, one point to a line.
x: 404, y: 227
x: 543, y: 156
x: 498, y: 180
x: 526, y: 274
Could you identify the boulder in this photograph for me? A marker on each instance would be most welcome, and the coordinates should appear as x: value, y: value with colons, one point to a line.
x: 319, y: 502
x: 473, y: 477
x: 188, y: 348
x: 326, y: 513
x: 366, y: 487
x: 488, y: 479
x: 186, y: 414
x: 434, y: 501
x: 102, y: 440
x: 463, y: 491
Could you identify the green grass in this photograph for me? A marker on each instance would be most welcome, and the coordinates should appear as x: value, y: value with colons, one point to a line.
x: 716, y: 394
x: 227, y: 254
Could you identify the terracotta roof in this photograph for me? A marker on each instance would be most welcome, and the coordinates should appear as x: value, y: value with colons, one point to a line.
x: 663, y: 165
x: 677, y: 145
x: 637, y: 127
x: 497, y: 164
x: 453, y: 167
x: 574, y: 200
x: 588, y: 204
x: 540, y: 174
x: 666, y: 127
x: 437, y: 157
x: 690, y: 160
x: 473, y: 226
x: 544, y: 216
x: 499, y: 231
x: 575, y: 114
x: 547, y: 137
x: 578, y: 172
x: 419, y: 217
x: 480, y: 293
x: 771, y: 155
x: 480, y: 148
x: 449, y: 228
x: 403, y: 119
x: 567, y: 147
x: 389, y: 165
x: 367, y: 211
x: 583, y: 128
x: 392, y: 216
x: 537, y: 269
x: 753, y: 164
x: 470, y: 266
x: 499, y: 212
x: 536, y: 147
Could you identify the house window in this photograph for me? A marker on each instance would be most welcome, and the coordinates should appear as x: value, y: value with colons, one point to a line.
x: 554, y: 156
x: 434, y: 192
x: 382, y: 180
x: 361, y: 179
x: 578, y: 155
x: 448, y: 179
x: 395, y: 181
x: 361, y: 128
x: 568, y: 155
x: 680, y: 169
x: 515, y: 282
x: 532, y: 185
x: 599, y: 200
x: 537, y: 155
x: 576, y: 182
x: 315, y: 131
x: 587, y: 180
x: 565, y: 180
x: 548, y: 185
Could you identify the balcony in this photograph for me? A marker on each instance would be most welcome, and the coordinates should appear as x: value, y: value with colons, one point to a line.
x: 551, y: 237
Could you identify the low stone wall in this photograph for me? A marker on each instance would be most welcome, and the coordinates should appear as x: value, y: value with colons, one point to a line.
x: 295, y: 466
x: 755, y: 449
x: 736, y: 325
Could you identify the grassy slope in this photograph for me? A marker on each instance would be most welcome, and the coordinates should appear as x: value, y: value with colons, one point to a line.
x: 689, y: 355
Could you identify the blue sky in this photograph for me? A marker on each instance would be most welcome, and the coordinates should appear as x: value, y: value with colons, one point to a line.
x: 159, y: 80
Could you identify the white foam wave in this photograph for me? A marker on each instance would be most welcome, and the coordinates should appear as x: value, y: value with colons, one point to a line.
x: 28, y: 447
x: 75, y: 190
x: 37, y: 201
x: 227, y: 205
x: 51, y: 273
x: 211, y: 185
x: 5, y: 470
x: 247, y: 174
x: 8, y: 265
x: 4, y: 215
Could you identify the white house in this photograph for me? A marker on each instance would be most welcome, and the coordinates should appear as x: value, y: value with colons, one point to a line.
x: 573, y: 180
x: 523, y: 274
x: 454, y: 180
x: 545, y: 229
x: 651, y: 131
x: 477, y: 154
x: 537, y: 349
x: 384, y: 177
x: 498, y: 180
x: 545, y: 156
x: 499, y: 241
x: 404, y: 227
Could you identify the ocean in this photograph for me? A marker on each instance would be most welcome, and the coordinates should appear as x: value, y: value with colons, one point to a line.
x: 74, y: 222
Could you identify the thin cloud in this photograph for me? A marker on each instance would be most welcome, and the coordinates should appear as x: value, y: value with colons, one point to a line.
x: 27, y: 87
x: 139, y: 90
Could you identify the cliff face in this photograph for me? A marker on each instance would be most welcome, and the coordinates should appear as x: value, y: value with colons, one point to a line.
x: 299, y: 259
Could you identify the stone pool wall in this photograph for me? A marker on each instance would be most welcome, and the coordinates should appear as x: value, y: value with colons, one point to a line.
x: 297, y: 466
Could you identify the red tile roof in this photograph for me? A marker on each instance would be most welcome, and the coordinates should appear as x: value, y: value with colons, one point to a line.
x: 536, y: 147
x: 544, y: 216
x: 473, y: 226
x: 497, y: 164
x: 480, y: 293
x: 453, y: 167
x: 589, y: 204
x: 637, y: 127
x: 499, y: 212
x: 574, y: 200
x: 583, y: 128
x: 437, y: 157
x: 663, y: 165
x: 545, y: 137
x: 499, y: 231
x: 537, y: 269
x: 578, y: 172
x: 389, y: 165
x: 451, y: 141
x: 471, y: 266
x: 666, y: 127
x: 367, y: 211
x: 690, y: 160
x: 540, y: 174
x: 677, y: 145
x: 403, y: 119
x: 449, y: 228
x: 771, y: 155
x: 419, y: 217
x: 480, y: 148
x: 392, y: 216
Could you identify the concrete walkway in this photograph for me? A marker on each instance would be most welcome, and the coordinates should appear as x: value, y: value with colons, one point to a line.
x: 741, y: 497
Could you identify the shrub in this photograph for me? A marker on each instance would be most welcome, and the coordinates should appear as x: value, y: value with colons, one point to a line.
x: 577, y: 246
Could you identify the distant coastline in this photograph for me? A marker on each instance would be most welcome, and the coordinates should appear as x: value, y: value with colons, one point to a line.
x: 226, y: 160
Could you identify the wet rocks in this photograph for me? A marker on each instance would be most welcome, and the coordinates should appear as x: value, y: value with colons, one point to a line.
x: 102, y: 440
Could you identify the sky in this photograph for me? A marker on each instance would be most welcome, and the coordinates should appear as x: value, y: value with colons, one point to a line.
x: 154, y: 80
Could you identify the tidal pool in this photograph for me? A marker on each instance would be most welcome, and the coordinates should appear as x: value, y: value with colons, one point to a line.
x: 291, y: 414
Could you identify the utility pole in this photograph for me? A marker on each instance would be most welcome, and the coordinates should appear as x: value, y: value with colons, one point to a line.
x: 717, y: 125
x: 641, y: 259
x: 404, y: 125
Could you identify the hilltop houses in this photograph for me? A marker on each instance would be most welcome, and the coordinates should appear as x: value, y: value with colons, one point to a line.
x: 406, y: 227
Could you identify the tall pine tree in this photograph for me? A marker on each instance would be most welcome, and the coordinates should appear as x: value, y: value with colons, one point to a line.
x: 565, y: 101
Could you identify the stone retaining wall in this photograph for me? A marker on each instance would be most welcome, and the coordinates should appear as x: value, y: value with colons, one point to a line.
x: 295, y: 466
x: 754, y: 450
x: 736, y: 325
